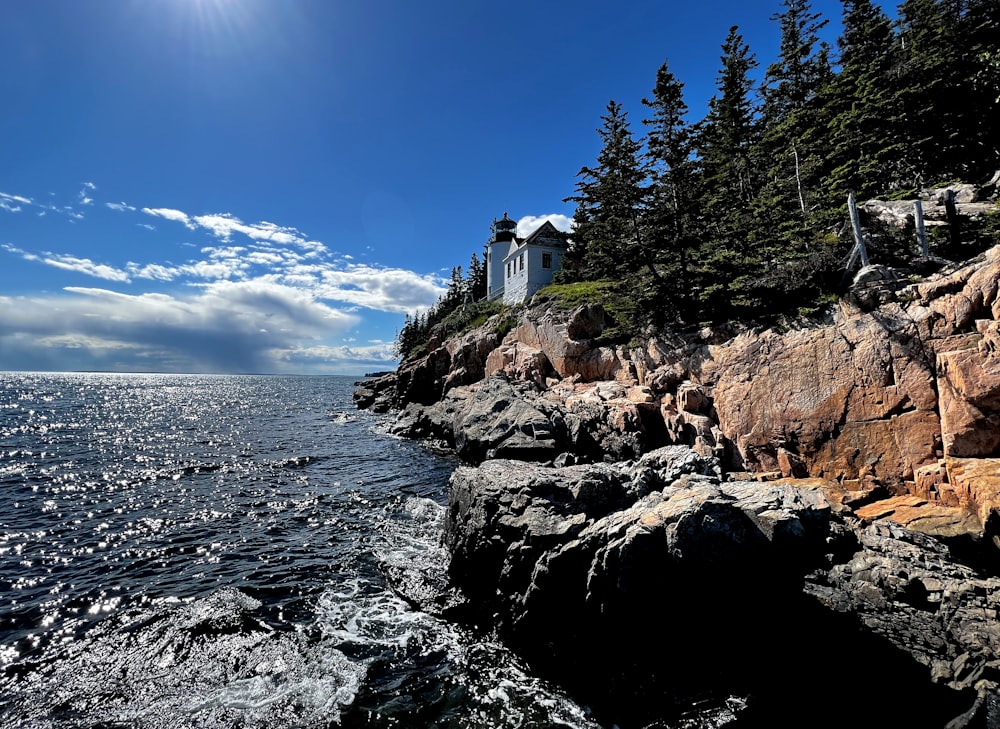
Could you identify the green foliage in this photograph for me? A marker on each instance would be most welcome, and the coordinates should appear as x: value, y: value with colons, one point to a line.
x: 608, y: 293
x: 505, y: 322
x: 462, y: 304
x: 611, y: 200
x: 468, y: 316
x: 742, y: 215
x: 571, y: 295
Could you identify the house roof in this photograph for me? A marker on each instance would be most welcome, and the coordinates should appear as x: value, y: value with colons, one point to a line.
x: 548, y: 235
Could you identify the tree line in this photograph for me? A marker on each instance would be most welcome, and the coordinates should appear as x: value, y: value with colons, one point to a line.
x: 741, y: 215
x: 464, y: 290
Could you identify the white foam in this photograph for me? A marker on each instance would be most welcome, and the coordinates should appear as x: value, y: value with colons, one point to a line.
x: 319, y: 684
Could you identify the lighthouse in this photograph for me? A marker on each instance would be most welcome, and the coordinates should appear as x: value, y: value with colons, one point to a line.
x: 503, y: 234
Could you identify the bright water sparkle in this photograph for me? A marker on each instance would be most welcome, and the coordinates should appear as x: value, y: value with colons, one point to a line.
x: 210, y: 551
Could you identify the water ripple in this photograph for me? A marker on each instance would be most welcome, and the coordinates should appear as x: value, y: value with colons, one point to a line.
x: 192, y: 551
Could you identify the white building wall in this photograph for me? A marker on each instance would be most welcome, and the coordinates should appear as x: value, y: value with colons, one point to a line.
x: 495, y: 254
x: 516, y: 286
x: 525, y: 281
x: 539, y: 277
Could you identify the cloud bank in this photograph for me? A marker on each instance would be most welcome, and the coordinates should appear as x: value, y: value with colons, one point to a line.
x: 227, y: 327
x: 255, y: 297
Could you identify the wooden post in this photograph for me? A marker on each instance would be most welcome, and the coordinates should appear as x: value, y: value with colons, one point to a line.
x: 918, y: 219
x: 859, y: 237
x: 952, y: 212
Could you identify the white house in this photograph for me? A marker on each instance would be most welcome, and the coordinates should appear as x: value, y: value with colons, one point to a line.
x: 518, y: 267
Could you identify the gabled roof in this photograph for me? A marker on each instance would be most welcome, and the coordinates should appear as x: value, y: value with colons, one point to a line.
x: 546, y: 234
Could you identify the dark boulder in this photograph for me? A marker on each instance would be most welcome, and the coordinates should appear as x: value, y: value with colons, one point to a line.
x: 648, y: 585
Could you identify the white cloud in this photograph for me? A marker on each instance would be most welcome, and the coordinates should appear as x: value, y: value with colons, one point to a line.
x: 339, y: 360
x: 153, y: 271
x: 84, y: 266
x: 84, y: 198
x: 13, y: 203
x: 266, y: 298
x: 170, y: 214
x: 224, y: 327
x: 16, y: 198
x: 121, y: 207
x: 214, y: 270
x: 71, y: 263
x: 384, y: 289
x: 224, y: 225
x: 265, y: 258
x: 529, y: 223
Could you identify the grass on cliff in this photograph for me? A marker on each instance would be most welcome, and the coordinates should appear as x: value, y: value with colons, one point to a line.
x: 606, y: 293
x: 571, y: 295
x: 463, y: 319
x: 475, y: 315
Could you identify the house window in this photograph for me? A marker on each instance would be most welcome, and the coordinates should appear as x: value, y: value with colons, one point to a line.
x: 508, y: 269
x: 522, y: 261
x: 546, y: 260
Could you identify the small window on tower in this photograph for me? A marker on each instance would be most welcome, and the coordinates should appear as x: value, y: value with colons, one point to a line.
x: 546, y: 260
x: 522, y: 261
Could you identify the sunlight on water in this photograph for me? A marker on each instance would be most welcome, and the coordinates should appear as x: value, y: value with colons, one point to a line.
x: 190, y: 551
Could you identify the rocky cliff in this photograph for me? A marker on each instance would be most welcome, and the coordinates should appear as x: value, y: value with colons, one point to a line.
x: 736, y: 511
x: 901, y: 398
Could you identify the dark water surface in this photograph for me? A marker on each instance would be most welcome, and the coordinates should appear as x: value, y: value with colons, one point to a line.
x: 210, y: 551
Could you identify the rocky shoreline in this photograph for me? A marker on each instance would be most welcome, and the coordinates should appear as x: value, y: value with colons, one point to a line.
x: 802, y: 523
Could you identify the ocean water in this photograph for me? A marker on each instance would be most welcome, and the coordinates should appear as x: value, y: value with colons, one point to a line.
x: 213, y: 551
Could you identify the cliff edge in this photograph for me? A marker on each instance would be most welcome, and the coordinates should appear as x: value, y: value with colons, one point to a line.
x: 762, y: 518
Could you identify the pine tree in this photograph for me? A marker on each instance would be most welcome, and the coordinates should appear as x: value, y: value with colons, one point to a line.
x: 476, y: 284
x: 671, y: 223
x: 456, y: 294
x: 792, y: 116
x: 725, y: 139
x: 979, y: 31
x: 610, y: 201
x: 791, y: 156
x: 864, y: 139
x: 929, y: 78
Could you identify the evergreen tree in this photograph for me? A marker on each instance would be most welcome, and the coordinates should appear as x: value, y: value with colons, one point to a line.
x: 672, y: 194
x: 610, y: 199
x: 476, y: 285
x: 456, y: 294
x: 980, y: 31
x: 864, y: 138
x: 929, y: 79
x: 790, y: 157
x: 791, y: 82
x: 792, y: 114
x: 724, y: 142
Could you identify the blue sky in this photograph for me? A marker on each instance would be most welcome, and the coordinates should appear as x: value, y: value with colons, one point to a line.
x: 269, y: 185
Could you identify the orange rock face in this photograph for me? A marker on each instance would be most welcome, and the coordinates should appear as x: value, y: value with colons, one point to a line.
x: 876, y: 396
x: 852, y: 400
x: 969, y: 387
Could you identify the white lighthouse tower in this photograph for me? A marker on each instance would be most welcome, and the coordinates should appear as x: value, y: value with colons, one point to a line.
x: 504, y: 233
